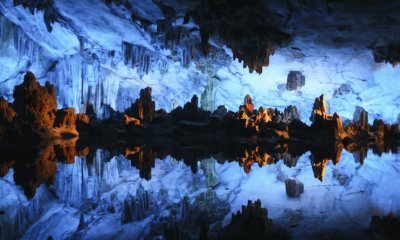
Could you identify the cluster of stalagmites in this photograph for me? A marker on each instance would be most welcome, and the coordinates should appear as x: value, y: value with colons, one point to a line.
x: 251, y: 223
x: 142, y: 111
x: 138, y: 207
x: 34, y: 114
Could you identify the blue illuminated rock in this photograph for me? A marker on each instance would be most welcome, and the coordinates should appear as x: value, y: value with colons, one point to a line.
x: 294, y: 188
x: 295, y: 80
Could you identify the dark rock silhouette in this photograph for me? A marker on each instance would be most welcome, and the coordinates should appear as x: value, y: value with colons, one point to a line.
x: 207, y: 207
x: 295, y: 80
x: 386, y: 227
x: 219, y: 19
x: 294, y: 188
x: 360, y: 117
x: 138, y: 207
x: 251, y: 223
x: 389, y: 53
x: 7, y: 116
x: 143, y: 109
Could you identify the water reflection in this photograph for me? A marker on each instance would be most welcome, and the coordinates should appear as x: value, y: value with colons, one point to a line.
x: 34, y: 166
x: 99, y: 181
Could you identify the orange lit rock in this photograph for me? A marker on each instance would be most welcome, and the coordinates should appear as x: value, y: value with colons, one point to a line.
x: 7, y: 113
x: 144, y: 107
x: 130, y: 121
x: 82, y: 118
x: 64, y: 124
x: 35, y: 105
x: 83, y: 152
x: 65, y: 118
x: 7, y: 116
x: 65, y: 151
x: 248, y: 103
x: 319, y: 108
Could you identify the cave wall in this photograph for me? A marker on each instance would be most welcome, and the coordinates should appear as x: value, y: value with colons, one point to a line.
x: 97, y: 54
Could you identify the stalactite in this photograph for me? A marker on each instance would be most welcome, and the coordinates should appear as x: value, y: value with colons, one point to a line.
x: 138, y: 57
x: 26, y: 47
x: 82, y: 181
x: 82, y: 80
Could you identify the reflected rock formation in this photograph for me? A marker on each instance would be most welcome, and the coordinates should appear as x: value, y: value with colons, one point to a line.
x: 251, y: 223
x: 386, y: 227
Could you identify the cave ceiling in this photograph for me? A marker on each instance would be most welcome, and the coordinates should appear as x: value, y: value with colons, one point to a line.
x: 255, y: 29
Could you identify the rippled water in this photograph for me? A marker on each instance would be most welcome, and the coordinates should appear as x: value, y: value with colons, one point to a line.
x: 341, y: 192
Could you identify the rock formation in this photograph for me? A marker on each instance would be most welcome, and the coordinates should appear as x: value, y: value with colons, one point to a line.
x: 138, y: 207
x: 290, y: 113
x: 207, y: 207
x: 389, y: 53
x: 221, y: 112
x: 7, y: 116
x: 219, y: 19
x: 251, y: 223
x: 295, y: 80
x: 35, y: 113
x: 65, y: 122
x: 320, y: 108
x: 35, y: 105
x: 130, y: 121
x: 82, y: 121
x: 7, y: 113
x: 386, y: 227
x: 208, y: 167
x: 248, y: 104
x: 143, y: 158
x: 143, y: 109
x: 326, y: 126
x: 190, y: 112
x: 294, y: 188
x: 35, y: 170
x: 360, y: 117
